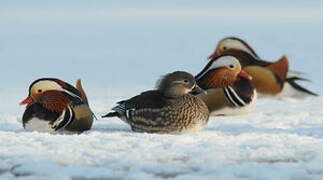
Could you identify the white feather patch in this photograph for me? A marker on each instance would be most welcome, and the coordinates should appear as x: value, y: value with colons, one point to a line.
x: 237, y: 110
x: 39, y: 125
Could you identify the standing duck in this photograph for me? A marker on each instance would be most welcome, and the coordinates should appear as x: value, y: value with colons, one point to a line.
x: 168, y: 109
x: 270, y: 78
x: 54, y: 106
x: 229, y: 90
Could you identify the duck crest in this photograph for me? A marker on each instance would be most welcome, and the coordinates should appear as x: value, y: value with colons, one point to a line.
x: 253, y: 52
x: 245, y: 58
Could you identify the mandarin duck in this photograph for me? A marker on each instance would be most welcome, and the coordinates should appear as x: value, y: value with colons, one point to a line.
x: 270, y: 78
x: 168, y: 109
x: 54, y: 106
x: 229, y: 90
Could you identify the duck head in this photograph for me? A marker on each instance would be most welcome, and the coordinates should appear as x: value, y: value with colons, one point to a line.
x: 233, y: 43
x: 220, y: 72
x: 177, y: 84
x: 53, y: 94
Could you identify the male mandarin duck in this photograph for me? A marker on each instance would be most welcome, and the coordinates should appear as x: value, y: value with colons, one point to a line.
x: 168, y: 109
x: 54, y: 106
x: 229, y: 90
x: 270, y: 78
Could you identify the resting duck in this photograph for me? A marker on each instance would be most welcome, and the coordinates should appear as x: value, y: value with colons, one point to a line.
x: 168, y: 109
x: 229, y: 90
x: 270, y: 78
x: 54, y: 106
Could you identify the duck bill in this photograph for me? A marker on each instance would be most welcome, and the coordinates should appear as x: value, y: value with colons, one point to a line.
x: 197, y: 90
x: 245, y: 75
x: 27, y: 101
x: 212, y: 56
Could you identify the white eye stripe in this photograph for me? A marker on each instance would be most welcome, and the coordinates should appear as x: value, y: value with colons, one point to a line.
x: 47, y: 85
x: 72, y: 94
x: 223, y: 61
x: 235, y: 44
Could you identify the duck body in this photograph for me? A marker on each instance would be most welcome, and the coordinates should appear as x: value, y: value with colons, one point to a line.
x: 58, y: 108
x: 271, y: 79
x: 153, y: 113
x: 267, y: 78
x: 157, y: 112
x: 236, y: 100
x: 226, y: 96
x: 265, y: 81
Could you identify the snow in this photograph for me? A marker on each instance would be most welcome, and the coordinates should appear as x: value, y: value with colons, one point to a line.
x: 120, y: 49
x: 273, y: 142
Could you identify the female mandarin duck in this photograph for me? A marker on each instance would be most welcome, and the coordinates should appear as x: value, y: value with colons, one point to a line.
x: 54, y: 106
x: 168, y: 109
x: 229, y: 90
x: 270, y: 78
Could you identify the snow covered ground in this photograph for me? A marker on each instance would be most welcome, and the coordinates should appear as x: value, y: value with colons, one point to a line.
x: 119, y: 49
x: 281, y: 139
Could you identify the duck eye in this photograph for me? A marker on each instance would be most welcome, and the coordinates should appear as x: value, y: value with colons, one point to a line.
x: 224, y: 48
x: 186, y: 81
x: 231, y: 66
x: 39, y: 90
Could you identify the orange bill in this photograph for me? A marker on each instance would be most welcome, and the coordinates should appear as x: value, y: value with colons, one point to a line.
x: 27, y: 101
x: 245, y: 75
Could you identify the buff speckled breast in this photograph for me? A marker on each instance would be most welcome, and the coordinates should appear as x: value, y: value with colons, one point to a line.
x: 168, y: 109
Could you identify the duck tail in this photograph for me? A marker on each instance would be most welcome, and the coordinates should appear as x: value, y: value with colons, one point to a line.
x: 292, y: 82
x: 111, y: 114
x: 292, y: 74
x: 118, y: 111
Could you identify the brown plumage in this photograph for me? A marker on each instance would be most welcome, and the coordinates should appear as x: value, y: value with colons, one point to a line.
x: 280, y: 67
x: 168, y: 109
x: 265, y: 81
x: 55, y: 106
x: 218, y: 78
x: 229, y: 89
x: 269, y: 78
x: 54, y: 101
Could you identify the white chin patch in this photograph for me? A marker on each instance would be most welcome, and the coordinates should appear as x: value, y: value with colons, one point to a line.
x: 39, y: 125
